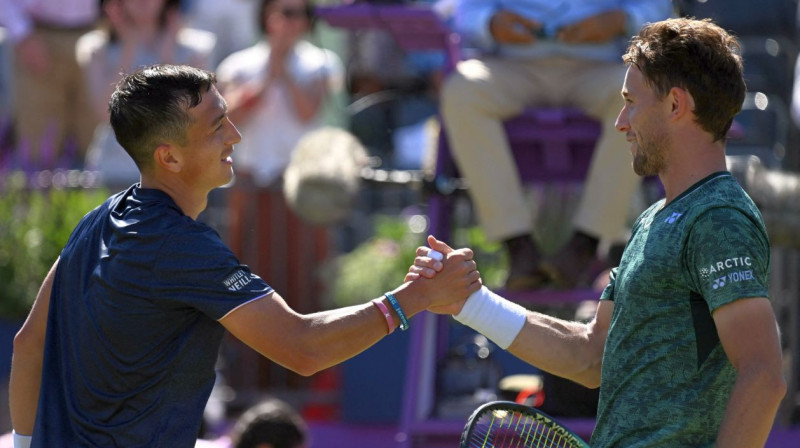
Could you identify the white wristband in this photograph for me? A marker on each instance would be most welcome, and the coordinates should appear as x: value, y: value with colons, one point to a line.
x: 496, y: 318
x: 21, y: 441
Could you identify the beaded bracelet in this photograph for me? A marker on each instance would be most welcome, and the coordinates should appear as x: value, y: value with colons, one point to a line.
x: 386, y: 314
x: 398, y: 310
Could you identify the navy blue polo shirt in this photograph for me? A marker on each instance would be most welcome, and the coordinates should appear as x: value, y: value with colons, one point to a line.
x: 133, y: 331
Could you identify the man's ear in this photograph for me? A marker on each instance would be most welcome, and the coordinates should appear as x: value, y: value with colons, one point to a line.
x: 681, y: 101
x: 168, y: 157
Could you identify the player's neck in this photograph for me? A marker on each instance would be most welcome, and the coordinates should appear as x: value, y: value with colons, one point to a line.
x: 690, y: 164
x: 189, y: 200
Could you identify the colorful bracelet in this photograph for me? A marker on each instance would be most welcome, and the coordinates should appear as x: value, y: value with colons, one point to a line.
x: 396, y: 305
x: 386, y: 314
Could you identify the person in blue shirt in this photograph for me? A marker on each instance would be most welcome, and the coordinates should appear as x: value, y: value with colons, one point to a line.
x: 119, y: 348
x: 550, y: 54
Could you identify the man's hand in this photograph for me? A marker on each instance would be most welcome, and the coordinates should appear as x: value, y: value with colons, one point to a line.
x: 276, y: 69
x: 425, y: 265
x: 594, y: 29
x: 448, y: 282
x: 511, y: 28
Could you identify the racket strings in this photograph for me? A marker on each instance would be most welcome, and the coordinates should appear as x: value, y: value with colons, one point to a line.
x: 517, y: 430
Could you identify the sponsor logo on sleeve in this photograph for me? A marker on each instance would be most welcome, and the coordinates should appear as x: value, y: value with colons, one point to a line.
x: 237, y: 280
x: 730, y: 270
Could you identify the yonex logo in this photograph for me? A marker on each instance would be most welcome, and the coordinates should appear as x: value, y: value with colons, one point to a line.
x: 674, y: 217
x: 719, y: 283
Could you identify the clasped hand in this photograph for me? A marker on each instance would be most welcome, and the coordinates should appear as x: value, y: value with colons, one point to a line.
x: 448, y: 282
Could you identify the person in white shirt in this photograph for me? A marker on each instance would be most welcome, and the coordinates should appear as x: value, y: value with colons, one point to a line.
x: 136, y: 33
x: 276, y: 88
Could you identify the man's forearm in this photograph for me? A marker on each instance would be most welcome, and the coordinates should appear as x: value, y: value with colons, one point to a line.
x: 27, y: 360
x: 26, y: 377
x: 751, y: 410
x: 560, y: 347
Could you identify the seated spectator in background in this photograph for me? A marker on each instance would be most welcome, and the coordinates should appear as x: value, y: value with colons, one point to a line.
x: 276, y: 88
x: 395, y: 91
x: 269, y: 424
x: 135, y: 34
x: 50, y: 108
x: 543, y: 53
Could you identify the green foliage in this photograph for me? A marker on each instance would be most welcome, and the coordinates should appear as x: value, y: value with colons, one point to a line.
x: 34, y: 226
x: 379, y: 264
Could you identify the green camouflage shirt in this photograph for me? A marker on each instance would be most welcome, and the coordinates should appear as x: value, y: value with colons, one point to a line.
x: 665, y: 378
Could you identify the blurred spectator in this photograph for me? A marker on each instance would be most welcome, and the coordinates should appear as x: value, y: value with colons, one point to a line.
x: 135, y: 33
x: 276, y: 88
x: 231, y: 21
x: 270, y: 424
x: 795, y: 100
x: 5, y: 74
x: 395, y: 91
x: 51, y: 108
x: 543, y: 53
x: 6, y: 87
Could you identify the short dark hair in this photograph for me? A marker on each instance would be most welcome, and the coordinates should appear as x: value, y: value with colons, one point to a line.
x: 273, y: 422
x: 150, y: 106
x: 698, y: 56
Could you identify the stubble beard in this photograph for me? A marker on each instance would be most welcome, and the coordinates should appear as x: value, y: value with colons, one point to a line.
x: 649, y: 158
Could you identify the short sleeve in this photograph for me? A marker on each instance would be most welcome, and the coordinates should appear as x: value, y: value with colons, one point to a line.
x: 608, y: 291
x: 727, y: 257
x: 197, y: 270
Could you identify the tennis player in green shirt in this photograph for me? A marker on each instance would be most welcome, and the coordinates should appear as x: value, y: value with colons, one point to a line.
x: 684, y: 345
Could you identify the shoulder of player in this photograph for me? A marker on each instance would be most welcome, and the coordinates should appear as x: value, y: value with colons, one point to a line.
x: 186, y: 234
x: 716, y: 197
x: 154, y: 216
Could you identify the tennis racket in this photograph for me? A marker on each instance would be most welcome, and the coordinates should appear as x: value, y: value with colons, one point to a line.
x: 505, y: 424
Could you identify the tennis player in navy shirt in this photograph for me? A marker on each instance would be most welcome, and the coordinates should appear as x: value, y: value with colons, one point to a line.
x: 119, y: 348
